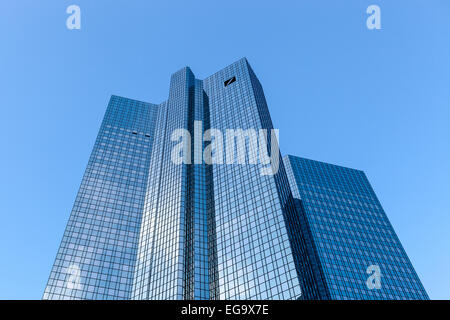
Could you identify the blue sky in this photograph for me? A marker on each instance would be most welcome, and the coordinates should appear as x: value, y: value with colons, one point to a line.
x: 376, y: 100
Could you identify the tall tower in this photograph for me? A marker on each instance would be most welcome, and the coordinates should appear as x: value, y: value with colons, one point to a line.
x: 148, y: 226
x: 176, y: 247
x: 220, y: 231
x: 352, y: 246
x: 97, y: 254
x: 259, y: 249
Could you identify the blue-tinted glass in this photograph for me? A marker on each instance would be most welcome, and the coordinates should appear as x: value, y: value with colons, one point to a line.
x: 347, y: 231
x: 97, y: 255
x: 144, y: 227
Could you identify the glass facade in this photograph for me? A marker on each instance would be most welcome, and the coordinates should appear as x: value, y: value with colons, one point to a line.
x: 215, y: 231
x: 97, y: 254
x: 348, y: 232
x: 146, y: 227
x: 255, y: 259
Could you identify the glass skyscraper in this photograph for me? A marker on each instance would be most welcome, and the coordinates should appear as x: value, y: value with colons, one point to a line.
x: 97, y: 254
x: 348, y: 234
x: 146, y: 227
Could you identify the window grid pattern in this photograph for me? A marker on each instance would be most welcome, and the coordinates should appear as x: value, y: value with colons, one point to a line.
x: 97, y: 254
x: 199, y: 230
x: 143, y: 227
x: 350, y: 231
x: 310, y: 286
x: 254, y: 257
x: 164, y: 224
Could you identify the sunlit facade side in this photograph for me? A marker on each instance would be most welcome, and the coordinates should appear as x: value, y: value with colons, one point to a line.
x: 97, y: 254
x: 176, y: 239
